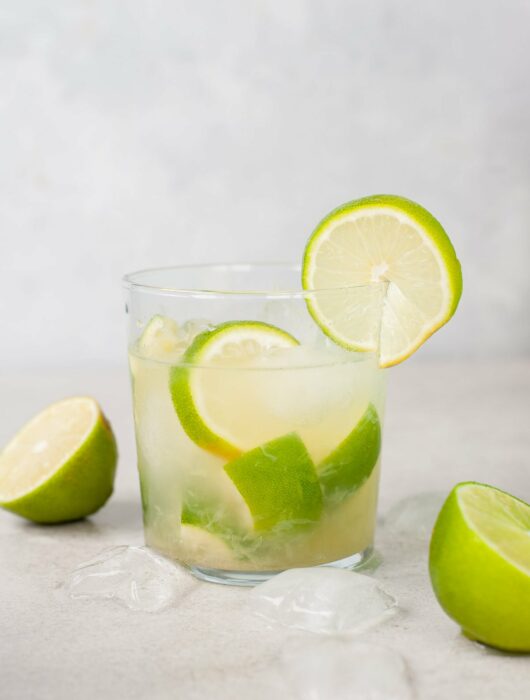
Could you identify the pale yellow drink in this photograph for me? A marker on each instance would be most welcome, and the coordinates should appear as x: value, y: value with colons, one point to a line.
x: 195, y: 513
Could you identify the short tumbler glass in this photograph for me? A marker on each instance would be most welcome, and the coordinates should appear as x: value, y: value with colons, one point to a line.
x: 261, y: 453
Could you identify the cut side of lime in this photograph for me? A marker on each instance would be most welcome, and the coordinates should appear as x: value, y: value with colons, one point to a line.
x: 279, y: 484
x: 352, y: 462
x: 201, y: 395
x: 480, y: 564
x: 61, y: 465
x: 389, y: 240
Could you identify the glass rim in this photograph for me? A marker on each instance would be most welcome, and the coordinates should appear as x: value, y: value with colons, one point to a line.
x: 133, y: 281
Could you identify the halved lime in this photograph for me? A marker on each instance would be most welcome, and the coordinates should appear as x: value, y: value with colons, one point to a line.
x: 201, y: 395
x: 352, y: 462
x: 279, y: 484
x: 61, y: 465
x: 390, y: 239
x: 480, y: 564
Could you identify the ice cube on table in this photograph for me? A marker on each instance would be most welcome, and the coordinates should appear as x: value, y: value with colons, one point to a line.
x: 322, y: 600
x: 337, y: 668
x: 135, y: 577
x: 415, y: 515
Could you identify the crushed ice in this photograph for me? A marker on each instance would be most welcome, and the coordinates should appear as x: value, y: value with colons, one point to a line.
x: 135, y: 577
x: 322, y: 599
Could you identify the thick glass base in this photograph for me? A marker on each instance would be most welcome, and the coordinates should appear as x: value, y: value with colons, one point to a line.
x: 361, y: 560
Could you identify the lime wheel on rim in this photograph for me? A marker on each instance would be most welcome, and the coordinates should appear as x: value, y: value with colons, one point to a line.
x: 382, y: 238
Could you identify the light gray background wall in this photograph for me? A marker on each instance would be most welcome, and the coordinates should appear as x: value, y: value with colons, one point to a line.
x: 136, y: 133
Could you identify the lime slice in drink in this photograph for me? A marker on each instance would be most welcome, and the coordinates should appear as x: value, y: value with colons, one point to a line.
x: 279, y: 484
x: 352, y: 462
x: 160, y: 337
x: 480, y: 565
x: 390, y: 239
x: 61, y: 465
x: 199, y: 392
x: 159, y: 342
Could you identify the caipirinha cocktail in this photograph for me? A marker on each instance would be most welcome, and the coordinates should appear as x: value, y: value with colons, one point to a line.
x: 259, y: 430
x: 255, y: 453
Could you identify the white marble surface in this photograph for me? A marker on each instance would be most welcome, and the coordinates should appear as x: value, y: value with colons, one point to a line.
x: 445, y: 423
x: 137, y: 134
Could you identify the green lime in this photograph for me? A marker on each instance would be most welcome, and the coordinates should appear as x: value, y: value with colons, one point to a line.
x: 279, y: 484
x: 383, y: 238
x: 480, y: 565
x: 212, y: 515
x: 211, y: 512
x: 351, y: 463
x: 201, y: 395
x: 61, y: 465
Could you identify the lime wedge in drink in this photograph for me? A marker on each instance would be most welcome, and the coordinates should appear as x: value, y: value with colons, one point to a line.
x: 480, y: 565
x: 382, y: 238
x: 212, y: 512
x: 352, y: 462
x: 279, y: 484
x: 196, y: 545
x: 200, y: 394
x: 234, y: 527
x: 61, y: 465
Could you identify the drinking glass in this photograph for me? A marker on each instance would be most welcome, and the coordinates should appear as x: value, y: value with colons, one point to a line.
x: 258, y: 430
